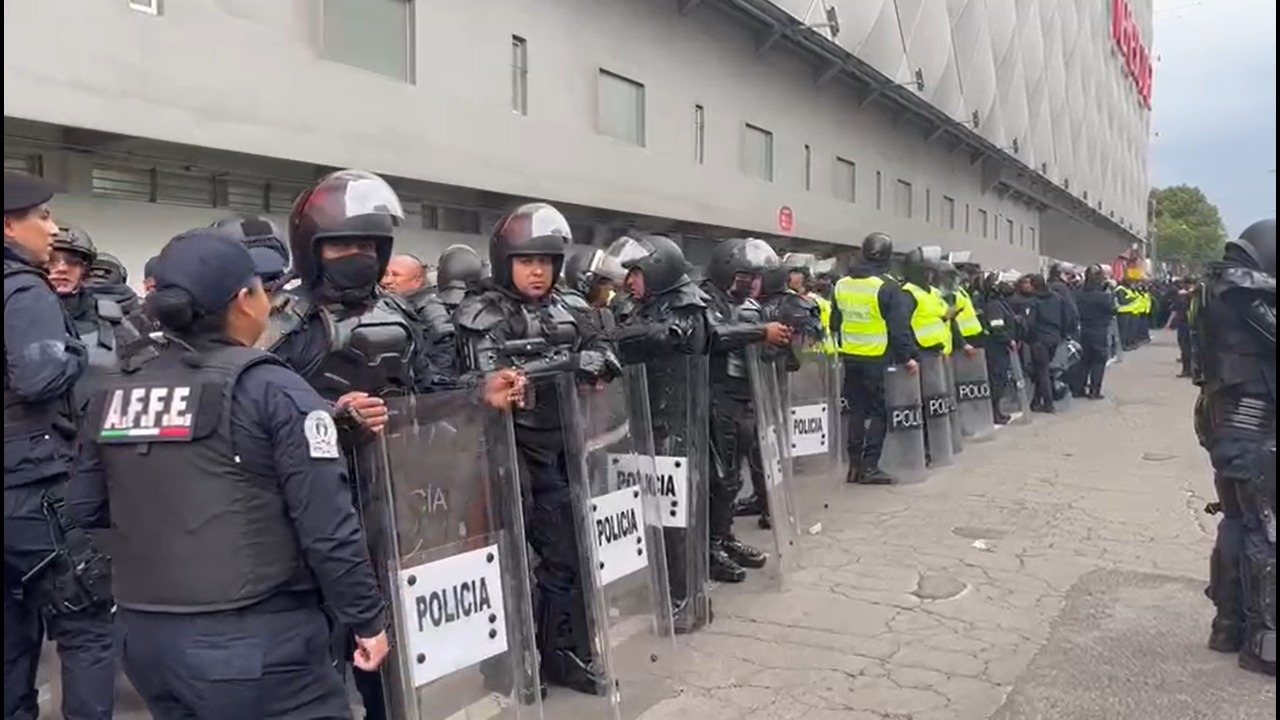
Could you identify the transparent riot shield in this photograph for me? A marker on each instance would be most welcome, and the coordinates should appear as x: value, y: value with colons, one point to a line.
x: 771, y: 415
x: 903, y: 456
x: 1114, y: 345
x: 618, y: 517
x: 1017, y: 399
x: 936, y: 401
x: 953, y: 404
x: 677, y: 388
x: 812, y: 454
x: 444, y: 523
x: 973, y: 391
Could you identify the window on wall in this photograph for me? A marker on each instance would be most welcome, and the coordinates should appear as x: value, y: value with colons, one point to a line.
x: 846, y: 180
x: 757, y: 152
x: 903, y: 199
x: 450, y: 219
x: 280, y: 196
x: 519, y: 75
x: 808, y: 168
x: 373, y: 35
x: 948, y: 213
x: 968, y: 223
x: 699, y: 134
x: 150, y: 7
x: 24, y: 162
x: 621, y: 108
x: 1034, y: 245
x: 984, y: 225
x: 928, y: 205
x: 1008, y: 229
x: 879, y: 190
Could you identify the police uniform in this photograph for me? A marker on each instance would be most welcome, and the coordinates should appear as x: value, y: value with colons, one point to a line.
x: 1236, y: 421
x: 871, y: 320
x: 55, y: 581
x: 217, y: 474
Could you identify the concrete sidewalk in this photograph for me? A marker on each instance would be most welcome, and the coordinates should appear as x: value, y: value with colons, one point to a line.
x: 1054, y: 573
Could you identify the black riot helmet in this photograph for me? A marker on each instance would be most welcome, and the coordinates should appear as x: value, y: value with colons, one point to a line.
x: 773, y: 280
x: 656, y: 257
x: 736, y: 262
x: 920, y: 264
x: 459, y: 267
x: 877, y: 248
x: 801, y: 263
x: 1258, y: 244
x: 582, y: 268
x: 107, y: 270
x: 350, y: 204
x: 534, y: 229
x: 76, y: 241
x: 262, y: 238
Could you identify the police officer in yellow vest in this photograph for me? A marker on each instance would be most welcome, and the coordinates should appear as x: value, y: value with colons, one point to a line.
x: 1129, y: 303
x: 966, y: 327
x: 871, y: 316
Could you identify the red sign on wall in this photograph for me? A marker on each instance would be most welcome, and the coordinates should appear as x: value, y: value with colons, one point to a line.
x: 786, y: 220
x: 1133, y: 53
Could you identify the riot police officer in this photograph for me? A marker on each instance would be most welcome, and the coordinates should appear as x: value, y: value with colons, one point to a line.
x: 217, y: 473
x: 54, y: 581
x: 871, y: 317
x: 406, y: 277
x: 1236, y: 420
x: 589, y: 285
x: 732, y: 285
x: 263, y: 240
x: 102, y: 324
x: 460, y: 271
x: 518, y: 320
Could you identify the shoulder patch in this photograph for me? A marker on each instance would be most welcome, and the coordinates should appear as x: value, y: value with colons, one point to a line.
x: 322, y: 435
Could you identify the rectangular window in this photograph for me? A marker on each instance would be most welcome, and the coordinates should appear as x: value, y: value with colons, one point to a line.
x: 1008, y: 227
x: 519, y: 75
x: 928, y: 205
x: 699, y: 134
x: 757, y: 152
x: 240, y: 194
x: 280, y: 197
x: 451, y: 219
x: 968, y: 224
x: 122, y: 183
x: 983, y: 229
x: 808, y: 168
x: 27, y: 163
x: 150, y: 7
x: 948, y: 213
x: 1034, y: 246
x: 373, y: 35
x: 174, y: 187
x: 846, y: 181
x: 903, y: 199
x: 620, y: 108
x: 879, y: 190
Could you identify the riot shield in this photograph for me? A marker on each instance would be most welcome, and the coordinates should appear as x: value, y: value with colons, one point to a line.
x: 444, y: 522
x: 973, y: 390
x: 936, y: 401
x: 953, y: 405
x: 620, y: 541
x: 771, y: 415
x: 903, y: 456
x: 1017, y: 399
x: 1114, y: 345
x: 813, y: 443
x: 677, y: 389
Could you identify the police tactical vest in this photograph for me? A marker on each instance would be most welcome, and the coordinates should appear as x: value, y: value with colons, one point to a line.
x: 53, y: 417
x: 192, y: 530
x: 967, y: 315
x: 863, y: 329
x: 927, y: 321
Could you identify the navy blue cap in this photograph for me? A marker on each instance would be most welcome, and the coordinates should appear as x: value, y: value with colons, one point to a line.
x: 210, y: 266
x: 23, y: 191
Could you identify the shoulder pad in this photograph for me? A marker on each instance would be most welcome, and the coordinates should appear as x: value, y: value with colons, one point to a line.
x: 479, y: 313
x: 687, y: 295
x: 395, y: 303
x: 1235, y: 277
x: 575, y: 301
x: 288, y: 310
x: 110, y: 310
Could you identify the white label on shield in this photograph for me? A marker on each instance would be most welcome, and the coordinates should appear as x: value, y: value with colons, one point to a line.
x: 454, y: 615
x: 667, y: 479
x: 809, y: 430
x: 773, y: 456
x: 618, y: 531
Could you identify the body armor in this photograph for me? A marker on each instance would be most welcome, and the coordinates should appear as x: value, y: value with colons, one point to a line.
x: 1232, y: 347
x: 369, y: 349
x: 224, y: 539
x: 55, y: 417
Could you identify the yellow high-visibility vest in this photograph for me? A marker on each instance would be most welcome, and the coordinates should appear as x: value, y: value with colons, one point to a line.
x: 824, y: 312
x: 928, y: 321
x: 863, y: 330
x: 945, y: 308
x: 966, y: 315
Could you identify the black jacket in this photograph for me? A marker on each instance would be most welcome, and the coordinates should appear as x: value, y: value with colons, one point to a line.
x: 1096, y: 306
x: 1050, y: 319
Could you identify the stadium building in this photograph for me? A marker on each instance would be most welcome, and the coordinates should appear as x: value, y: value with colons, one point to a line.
x: 1016, y: 129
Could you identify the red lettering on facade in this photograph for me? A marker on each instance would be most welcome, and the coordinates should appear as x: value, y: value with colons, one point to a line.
x: 1133, y: 53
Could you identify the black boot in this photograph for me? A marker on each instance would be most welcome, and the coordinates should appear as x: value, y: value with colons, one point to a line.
x: 852, y: 476
x: 743, y: 554
x: 1224, y: 636
x: 753, y: 505
x: 874, y: 476
x: 564, y: 668
x: 765, y: 522
x: 723, y: 568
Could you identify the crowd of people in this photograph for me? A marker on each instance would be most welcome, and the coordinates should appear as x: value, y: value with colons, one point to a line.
x: 197, y: 470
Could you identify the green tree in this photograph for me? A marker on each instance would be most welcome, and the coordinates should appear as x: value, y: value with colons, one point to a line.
x: 1188, y: 228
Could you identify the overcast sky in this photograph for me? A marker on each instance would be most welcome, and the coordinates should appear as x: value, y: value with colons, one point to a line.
x: 1214, y: 103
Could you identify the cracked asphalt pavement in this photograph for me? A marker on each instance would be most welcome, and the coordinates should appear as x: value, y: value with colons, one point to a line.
x: 1056, y: 572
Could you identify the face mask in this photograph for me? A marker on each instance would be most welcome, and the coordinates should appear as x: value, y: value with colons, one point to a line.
x: 351, y: 278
